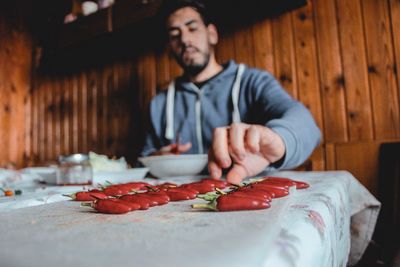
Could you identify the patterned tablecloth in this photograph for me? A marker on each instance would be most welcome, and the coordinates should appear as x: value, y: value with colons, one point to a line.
x: 328, y: 224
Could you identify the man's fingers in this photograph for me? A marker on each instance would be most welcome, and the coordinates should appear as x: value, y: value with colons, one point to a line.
x: 236, y: 174
x: 219, y: 151
x: 184, y: 147
x: 213, y: 168
x: 237, y: 133
x: 253, y: 139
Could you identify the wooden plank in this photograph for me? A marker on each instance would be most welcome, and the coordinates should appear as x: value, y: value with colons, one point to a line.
x: 306, y: 61
x: 48, y: 101
x: 263, y: 45
x: 146, y: 72
x: 41, y: 124
x: 162, y: 69
x: 83, y: 111
x: 395, y: 19
x: 109, y: 81
x: 285, y: 61
x: 330, y: 156
x: 385, y: 98
x: 362, y: 160
x: 57, y: 118
x: 331, y: 75
x: 70, y: 110
x: 92, y: 109
x: 318, y: 159
x: 244, y: 46
x: 358, y: 99
x: 75, y: 131
x: 225, y: 49
x: 174, y: 69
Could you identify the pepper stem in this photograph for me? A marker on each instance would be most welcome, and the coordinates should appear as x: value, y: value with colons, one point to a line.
x: 73, y: 196
x: 210, y: 205
x: 210, y: 196
x: 86, y: 204
x: 220, y: 191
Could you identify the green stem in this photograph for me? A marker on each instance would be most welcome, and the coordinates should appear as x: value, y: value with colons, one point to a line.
x: 86, y: 204
x: 73, y: 196
x: 210, y: 206
x: 220, y: 191
x: 209, y: 196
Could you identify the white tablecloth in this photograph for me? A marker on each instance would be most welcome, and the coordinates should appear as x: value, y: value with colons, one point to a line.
x: 309, y: 228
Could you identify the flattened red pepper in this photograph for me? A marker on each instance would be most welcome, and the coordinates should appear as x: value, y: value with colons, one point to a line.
x: 177, y: 196
x: 250, y: 194
x: 202, y: 188
x: 275, y: 183
x: 187, y: 191
x: 299, y: 184
x: 165, y: 186
x: 132, y: 205
x: 135, y: 186
x: 278, y: 191
x: 217, y: 183
x: 87, y: 196
x: 161, y: 197
x: 116, y: 190
x: 234, y: 203
x: 257, y: 192
x: 109, y: 206
x: 152, y: 201
x: 143, y: 202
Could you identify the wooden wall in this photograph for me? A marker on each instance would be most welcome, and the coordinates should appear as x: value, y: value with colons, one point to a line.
x: 15, y: 83
x: 339, y: 57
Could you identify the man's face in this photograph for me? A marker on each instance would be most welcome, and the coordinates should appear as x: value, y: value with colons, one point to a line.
x: 190, y: 40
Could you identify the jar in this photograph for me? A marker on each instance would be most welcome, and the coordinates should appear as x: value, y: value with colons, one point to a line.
x: 74, y: 169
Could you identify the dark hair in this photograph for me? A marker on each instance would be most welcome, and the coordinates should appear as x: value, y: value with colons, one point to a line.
x: 170, y: 6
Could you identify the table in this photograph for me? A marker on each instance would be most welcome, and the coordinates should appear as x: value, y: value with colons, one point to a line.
x: 308, y: 228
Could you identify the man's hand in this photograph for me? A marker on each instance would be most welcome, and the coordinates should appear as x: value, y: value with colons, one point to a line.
x: 172, y: 149
x: 248, y: 149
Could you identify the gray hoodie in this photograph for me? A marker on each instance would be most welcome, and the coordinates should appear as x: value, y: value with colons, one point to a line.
x: 237, y: 94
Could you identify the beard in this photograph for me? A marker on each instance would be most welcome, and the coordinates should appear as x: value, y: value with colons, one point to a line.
x: 193, y: 66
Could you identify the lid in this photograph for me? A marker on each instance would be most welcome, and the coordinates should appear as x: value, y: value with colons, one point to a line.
x: 74, y: 158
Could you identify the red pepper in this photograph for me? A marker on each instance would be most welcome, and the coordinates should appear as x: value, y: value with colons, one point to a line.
x: 187, y: 191
x: 275, y: 183
x: 132, y: 205
x: 143, y: 202
x: 165, y: 186
x: 87, y: 196
x: 217, y: 183
x: 95, y: 190
x: 234, y: 203
x: 110, y: 206
x: 161, y: 197
x: 151, y: 200
x: 135, y: 186
x: 278, y: 191
x: 250, y: 194
x: 202, y: 188
x: 178, y: 196
x: 116, y: 190
x: 299, y: 184
x: 257, y: 192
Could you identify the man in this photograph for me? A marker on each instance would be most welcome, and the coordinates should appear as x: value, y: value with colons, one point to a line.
x: 241, y: 116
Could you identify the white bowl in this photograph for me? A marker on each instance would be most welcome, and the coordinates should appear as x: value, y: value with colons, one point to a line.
x: 175, y: 165
x: 123, y: 176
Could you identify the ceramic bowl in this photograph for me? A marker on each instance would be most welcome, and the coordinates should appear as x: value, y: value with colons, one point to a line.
x: 168, y: 166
